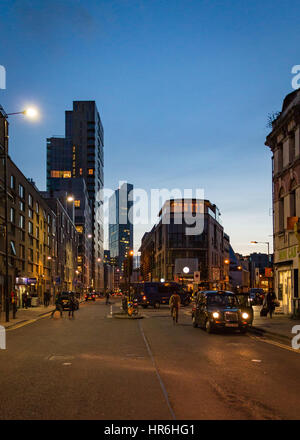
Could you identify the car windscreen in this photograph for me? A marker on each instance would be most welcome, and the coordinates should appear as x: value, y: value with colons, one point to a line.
x: 222, y: 300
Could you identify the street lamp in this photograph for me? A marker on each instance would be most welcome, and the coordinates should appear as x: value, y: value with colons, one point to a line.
x: 263, y: 242
x: 31, y: 113
x: 70, y: 199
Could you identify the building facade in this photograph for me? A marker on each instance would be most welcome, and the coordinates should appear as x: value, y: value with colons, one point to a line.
x: 64, y: 260
x: 32, y: 238
x: 169, y: 253
x: 80, y: 155
x: 284, y: 142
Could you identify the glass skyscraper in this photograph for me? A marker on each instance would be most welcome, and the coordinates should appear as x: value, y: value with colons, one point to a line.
x: 120, y: 230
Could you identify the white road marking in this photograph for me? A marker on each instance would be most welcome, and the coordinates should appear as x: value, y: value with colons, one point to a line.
x: 256, y: 360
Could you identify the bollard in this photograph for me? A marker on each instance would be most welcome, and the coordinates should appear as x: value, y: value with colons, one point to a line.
x: 2, y: 338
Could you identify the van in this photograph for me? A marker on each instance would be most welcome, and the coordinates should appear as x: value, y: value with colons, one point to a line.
x: 156, y: 294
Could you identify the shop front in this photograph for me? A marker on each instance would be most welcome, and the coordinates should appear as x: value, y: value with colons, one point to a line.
x: 286, y: 279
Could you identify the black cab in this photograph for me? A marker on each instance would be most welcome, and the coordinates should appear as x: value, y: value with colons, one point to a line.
x: 156, y: 294
x: 65, y: 299
x: 220, y: 309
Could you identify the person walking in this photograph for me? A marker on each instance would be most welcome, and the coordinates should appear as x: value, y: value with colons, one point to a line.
x: 58, y: 305
x: 107, y: 297
x: 174, y: 304
x: 72, y: 306
x: 24, y: 300
x: 269, y: 302
x: 47, y: 298
x: 14, y: 299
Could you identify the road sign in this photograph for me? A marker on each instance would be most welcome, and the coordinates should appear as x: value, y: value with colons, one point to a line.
x: 197, y: 276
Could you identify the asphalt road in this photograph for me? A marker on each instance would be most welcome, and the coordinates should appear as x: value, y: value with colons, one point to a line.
x: 94, y: 367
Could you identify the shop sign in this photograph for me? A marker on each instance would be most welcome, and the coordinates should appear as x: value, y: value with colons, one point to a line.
x: 21, y: 280
x: 288, y: 253
x: 31, y: 280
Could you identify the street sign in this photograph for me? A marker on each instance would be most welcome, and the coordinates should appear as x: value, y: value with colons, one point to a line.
x: 197, y: 276
x: 31, y: 280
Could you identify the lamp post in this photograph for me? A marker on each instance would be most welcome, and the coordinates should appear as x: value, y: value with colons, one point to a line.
x: 31, y: 113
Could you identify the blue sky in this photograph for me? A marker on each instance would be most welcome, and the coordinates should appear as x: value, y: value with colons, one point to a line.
x: 183, y: 87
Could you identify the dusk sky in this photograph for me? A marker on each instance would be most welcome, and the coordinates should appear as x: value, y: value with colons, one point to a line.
x: 183, y: 88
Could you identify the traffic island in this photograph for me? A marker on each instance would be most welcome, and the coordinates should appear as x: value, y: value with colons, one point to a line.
x: 125, y: 316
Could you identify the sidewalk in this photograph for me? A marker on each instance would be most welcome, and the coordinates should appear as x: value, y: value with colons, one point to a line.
x: 279, y: 326
x: 25, y: 316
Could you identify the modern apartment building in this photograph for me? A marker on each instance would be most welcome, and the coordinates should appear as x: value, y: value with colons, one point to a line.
x: 169, y: 253
x: 80, y: 155
x: 284, y: 142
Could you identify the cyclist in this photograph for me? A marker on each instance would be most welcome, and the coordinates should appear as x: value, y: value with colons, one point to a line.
x: 174, y: 304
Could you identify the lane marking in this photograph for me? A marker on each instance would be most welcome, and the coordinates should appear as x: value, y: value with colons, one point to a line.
x: 256, y: 360
x: 277, y: 344
x: 30, y: 321
x: 165, y: 393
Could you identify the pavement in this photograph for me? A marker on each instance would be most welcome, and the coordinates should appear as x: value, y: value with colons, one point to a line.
x: 92, y: 367
x: 279, y: 326
x: 25, y: 316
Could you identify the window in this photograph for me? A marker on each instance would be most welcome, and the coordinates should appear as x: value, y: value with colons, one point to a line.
x: 22, y: 206
x: 293, y: 204
x: 281, y: 211
x: 30, y: 227
x: 37, y: 232
x: 37, y: 208
x: 21, y: 191
x: 12, y: 182
x: 30, y: 213
x: 61, y: 174
x: 22, y: 251
x: 91, y: 171
x: 77, y: 203
x: 22, y: 222
x: 29, y: 199
x: 12, y: 215
x: 79, y: 229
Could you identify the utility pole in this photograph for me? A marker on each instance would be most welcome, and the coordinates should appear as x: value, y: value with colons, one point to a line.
x: 4, y: 156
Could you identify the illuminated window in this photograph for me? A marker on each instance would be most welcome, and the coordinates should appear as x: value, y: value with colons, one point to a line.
x: 80, y: 171
x: 77, y: 203
x: 79, y: 259
x: 91, y: 171
x: 74, y: 156
x: 74, y: 148
x: 59, y: 174
x: 79, y: 229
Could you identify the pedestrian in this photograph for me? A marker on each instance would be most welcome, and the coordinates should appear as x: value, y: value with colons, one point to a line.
x: 72, y: 305
x: 24, y: 300
x: 174, y: 304
x: 269, y: 302
x: 47, y: 298
x: 13, y: 299
x: 58, y: 305
x: 107, y: 297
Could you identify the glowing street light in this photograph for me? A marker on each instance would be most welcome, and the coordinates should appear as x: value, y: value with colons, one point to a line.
x: 29, y: 112
x: 70, y: 199
x: 186, y: 269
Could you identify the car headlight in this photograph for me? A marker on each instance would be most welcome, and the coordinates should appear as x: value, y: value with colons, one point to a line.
x: 216, y: 315
x: 245, y: 315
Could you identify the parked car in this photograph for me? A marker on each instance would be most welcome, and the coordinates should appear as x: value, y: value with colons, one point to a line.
x: 156, y: 294
x: 90, y: 296
x: 65, y: 300
x: 220, y: 309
